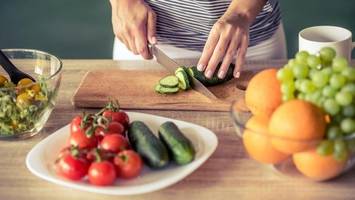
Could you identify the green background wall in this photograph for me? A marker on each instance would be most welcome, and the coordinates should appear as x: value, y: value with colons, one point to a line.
x: 82, y: 28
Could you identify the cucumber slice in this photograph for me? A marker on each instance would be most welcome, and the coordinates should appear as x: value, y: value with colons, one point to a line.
x: 187, y: 71
x: 184, y: 83
x: 190, y: 72
x: 182, y: 68
x: 165, y: 90
x: 169, y: 81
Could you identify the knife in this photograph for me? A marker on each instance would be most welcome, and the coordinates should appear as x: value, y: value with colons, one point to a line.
x: 171, y: 66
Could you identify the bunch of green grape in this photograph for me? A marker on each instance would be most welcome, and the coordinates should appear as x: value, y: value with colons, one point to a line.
x: 328, y: 82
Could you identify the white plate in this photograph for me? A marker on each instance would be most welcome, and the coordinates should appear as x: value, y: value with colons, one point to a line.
x: 40, y: 160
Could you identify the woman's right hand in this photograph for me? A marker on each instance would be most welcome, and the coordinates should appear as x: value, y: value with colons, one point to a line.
x: 133, y: 23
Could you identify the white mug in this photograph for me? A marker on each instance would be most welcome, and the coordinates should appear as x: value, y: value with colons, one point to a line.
x: 314, y: 38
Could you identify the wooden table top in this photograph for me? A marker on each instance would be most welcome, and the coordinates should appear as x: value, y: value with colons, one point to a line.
x: 228, y: 174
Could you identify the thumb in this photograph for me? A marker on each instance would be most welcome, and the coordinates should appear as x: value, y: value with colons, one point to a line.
x: 151, y: 27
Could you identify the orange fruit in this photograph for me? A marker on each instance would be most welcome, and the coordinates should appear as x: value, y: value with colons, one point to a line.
x: 317, y: 167
x: 296, y: 125
x: 263, y: 94
x: 257, y: 142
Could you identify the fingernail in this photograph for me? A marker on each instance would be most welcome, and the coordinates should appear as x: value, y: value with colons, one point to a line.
x: 237, y: 75
x: 221, y: 74
x: 200, y: 67
x: 154, y: 40
x: 208, y: 73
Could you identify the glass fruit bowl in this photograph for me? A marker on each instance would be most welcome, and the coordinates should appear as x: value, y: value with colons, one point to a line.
x: 26, y: 106
x: 265, y: 148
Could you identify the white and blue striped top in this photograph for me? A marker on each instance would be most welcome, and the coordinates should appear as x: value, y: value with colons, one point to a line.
x: 187, y: 23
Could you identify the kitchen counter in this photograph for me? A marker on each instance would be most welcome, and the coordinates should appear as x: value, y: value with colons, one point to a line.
x: 228, y: 174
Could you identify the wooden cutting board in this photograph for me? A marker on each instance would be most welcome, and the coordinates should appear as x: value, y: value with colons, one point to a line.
x: 134, y: 89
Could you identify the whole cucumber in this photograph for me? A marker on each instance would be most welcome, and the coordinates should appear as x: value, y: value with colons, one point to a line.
x: 193, y: 71
x: 152, y: 150
x: 179, y: 146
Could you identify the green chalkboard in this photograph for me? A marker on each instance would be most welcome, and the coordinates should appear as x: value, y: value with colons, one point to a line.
x: 82, y: 29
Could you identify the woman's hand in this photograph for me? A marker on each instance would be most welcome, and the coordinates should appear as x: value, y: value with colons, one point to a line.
x: 228, y: 38
x: 133, y: 23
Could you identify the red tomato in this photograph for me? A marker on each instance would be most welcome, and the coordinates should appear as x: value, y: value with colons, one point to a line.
x: 81, y: 140
x: 70, y: 167
x: 116, y: 127
x: 78, y: 137
x: 112, y: 128
x: 114, y: 143
x: 118, y: 116
x: 100, y: 131
x: 102, y: 173
x: 75, y: 124
x: 128, y: 164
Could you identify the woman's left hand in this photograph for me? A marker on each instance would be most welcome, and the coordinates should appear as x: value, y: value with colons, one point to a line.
x: 228, y: 40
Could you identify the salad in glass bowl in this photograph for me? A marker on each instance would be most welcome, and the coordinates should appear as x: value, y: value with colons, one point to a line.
x: 26, y: 106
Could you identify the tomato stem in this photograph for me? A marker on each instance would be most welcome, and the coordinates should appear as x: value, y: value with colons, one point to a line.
x: 124, y: 158
x: 113, y: 105
x: 97, y: 155
x: 87, y: 120
x: 90, y: 131
x: 102, y: 121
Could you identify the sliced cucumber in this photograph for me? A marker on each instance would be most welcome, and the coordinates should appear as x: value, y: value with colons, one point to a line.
x: 184, y: 82
x: 190, y: 72
x: 182, y: 68
x: 187, y: 71
x: 165, y: 90
x: 170, y: 81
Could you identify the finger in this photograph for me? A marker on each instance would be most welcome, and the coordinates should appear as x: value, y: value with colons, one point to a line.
x: 217, y: 56
x: 208, y: 49
x: 151, y: 28
x: 241, y: 56
x: 124, y: 41
x: 131, y: 43
x: 231, y: 52
x: 141, y: 43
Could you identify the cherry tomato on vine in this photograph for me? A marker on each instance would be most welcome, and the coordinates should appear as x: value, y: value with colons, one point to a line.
x: 81, y: 140
x: 118, y: 116
x: 128, y: 164
x: 71, y: 167
x: 116, y: 127
x: 112, y: 128
x: 114, y: 143
x: 75, y: 125
x: 102, y: 173
x: 92, y: 155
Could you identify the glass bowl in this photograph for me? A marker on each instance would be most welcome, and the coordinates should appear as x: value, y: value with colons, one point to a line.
x: 25, y: 107
x: 281, y: 163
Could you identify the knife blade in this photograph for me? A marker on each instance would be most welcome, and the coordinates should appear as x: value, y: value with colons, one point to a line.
x: 171, y: 66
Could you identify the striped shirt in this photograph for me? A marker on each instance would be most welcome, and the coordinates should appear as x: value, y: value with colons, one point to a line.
x: 187, y: 23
